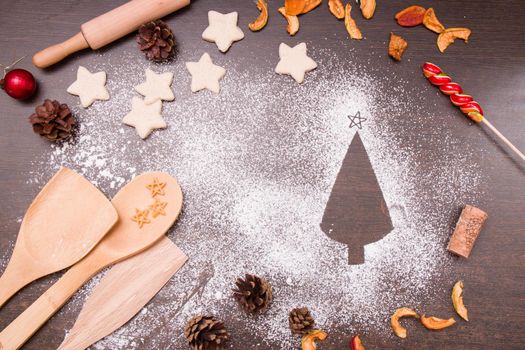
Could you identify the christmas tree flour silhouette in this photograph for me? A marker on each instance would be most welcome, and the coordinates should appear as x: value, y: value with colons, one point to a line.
x: 356, y: 213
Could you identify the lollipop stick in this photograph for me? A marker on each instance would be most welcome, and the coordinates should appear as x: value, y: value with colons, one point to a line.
x: 504, y: 139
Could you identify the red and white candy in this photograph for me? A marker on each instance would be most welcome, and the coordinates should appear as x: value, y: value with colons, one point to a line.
x: 466, y: 103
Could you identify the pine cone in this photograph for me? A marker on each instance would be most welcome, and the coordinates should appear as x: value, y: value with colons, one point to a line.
x: 53, y: 120
x: 253, y: 293
x: 156, y: 39
x: 206, y: 333
x: 301, y: 321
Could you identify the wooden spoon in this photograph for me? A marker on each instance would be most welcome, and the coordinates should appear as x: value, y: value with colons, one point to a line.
x: 57, y: 230
x: 127, y: 238
x: 123, y: 292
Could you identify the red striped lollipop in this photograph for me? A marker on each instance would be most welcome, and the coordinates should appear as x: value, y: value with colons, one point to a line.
x: 465, y: 102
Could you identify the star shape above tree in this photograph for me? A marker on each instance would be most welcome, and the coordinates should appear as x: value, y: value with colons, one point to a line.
x: 89, y: 87
x: 158, y: 208
x: 144, y: 118
x: 357, y: 123
x: 156, y: 87
x: 156, y: 188
x: 141, y: 217
x: 294, y: 61
x: 222, y: 29
x: 205, y: 74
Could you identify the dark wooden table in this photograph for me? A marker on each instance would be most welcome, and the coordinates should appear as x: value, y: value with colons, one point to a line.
x: 492, y: 65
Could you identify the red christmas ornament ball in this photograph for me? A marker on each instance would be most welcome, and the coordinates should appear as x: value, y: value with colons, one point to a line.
x: 19, y: 84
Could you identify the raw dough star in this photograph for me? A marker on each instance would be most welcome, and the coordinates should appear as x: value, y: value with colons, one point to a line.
x: 222, y: 29
x: 141, y: 217
x: 89, y: 87
x: 205, y: 74
x: 294, y: 61
x: 156, y: 187
x: 145, y: 118
x: 158, y: 208
x: 156, y: 87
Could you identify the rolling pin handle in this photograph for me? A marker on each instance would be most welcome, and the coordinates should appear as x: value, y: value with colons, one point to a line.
x: 58, y: 52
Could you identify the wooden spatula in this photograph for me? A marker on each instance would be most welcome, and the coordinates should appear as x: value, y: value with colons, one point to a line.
x: 64, y: 222
x: 123, y: 292
x: 139, y: 227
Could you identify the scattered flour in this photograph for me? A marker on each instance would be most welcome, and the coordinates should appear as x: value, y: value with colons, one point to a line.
x: 257, y: 163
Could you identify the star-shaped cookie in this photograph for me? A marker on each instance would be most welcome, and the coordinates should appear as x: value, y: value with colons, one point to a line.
x: 222, y: 29
x: 205, y: 74
x: 145, y: 118
x: 156, y: 87
x: 294, y: 61
x: 89, y: 87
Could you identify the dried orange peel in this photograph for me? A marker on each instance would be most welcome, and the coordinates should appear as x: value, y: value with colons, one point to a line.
x: 310, y: 5
x: 356, y: 343
x: 396, y: 46
x: 368, y: 7
x: 351, y: 26
x: 293, y: 22
x: 294, y: 7
x: 434, y: 323
x: 261, y: 21
x: 399, y: 330
x: 336, y: 8
x: 308, y: 341
x: 431, y: 21
x: 457, y: 300
x: 448, y: 36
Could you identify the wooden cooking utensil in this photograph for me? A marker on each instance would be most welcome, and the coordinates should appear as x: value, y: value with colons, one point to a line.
x: 108, y: 27
x: 123, y: 292
x: 57, y: 230
x: 125, y: 239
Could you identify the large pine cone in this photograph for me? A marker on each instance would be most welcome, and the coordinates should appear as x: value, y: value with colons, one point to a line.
x: 156, y: 39
x: 206, y: 333
x: 53, y: 120
x: 301, y: 321
x: 253, y: 293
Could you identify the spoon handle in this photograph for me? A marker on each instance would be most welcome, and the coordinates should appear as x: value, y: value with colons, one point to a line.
x: 25, y: 325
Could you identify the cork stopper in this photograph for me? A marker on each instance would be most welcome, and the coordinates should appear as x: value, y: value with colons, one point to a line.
x: 467, y: 230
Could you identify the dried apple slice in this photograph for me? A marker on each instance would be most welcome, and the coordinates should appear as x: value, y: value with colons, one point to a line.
x: 294, y: 7
x: 293, y: 22
x: 411, y: 16
x: 431, y: 21
x: 434, y: 323
x: 261, y: 21
x: 336, y: 8
x: 308, y: 341
x: 457, y: 300
x: 399, y: 330
x: 368, y: 7
x: 448, y: 36
x: 351, y: 26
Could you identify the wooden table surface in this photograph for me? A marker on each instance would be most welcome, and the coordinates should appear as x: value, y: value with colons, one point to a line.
x: 492, y: 64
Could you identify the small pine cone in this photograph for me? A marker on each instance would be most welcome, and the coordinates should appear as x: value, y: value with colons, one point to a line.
x: 253, y: 293
x: 53, y: 120
x: 301, y: 321
x: 206, y: 333
x: 157, y: 41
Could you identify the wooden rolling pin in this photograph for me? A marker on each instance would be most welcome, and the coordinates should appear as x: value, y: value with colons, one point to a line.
x: 108, y: 27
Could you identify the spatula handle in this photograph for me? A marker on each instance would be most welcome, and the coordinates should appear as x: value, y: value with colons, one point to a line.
x: 25, y: 325
x: 12, y: 281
